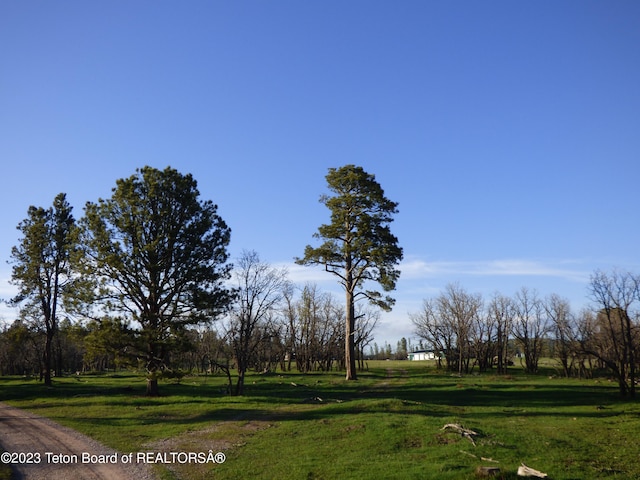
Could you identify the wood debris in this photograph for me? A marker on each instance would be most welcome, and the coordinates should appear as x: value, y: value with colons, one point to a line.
x: 465, y: 432
x: 487, y: 471
x: 313, y: 400
x: 524, y: 471
x: 484, y: 459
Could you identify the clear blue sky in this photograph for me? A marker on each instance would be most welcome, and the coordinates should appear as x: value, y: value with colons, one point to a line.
x: 509, y: 132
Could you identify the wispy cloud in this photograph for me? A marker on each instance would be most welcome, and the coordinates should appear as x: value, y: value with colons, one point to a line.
x: 417, y: 268
x: 572, y: 270
x: 300, y: 274
x: 7, y: 290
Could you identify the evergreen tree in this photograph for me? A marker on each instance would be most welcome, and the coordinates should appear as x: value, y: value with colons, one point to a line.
x: 44, y: 270
x: 161, y: 255
x: 358, y: 246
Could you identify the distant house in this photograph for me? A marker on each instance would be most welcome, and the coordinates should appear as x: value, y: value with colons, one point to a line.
x: 422, y: 355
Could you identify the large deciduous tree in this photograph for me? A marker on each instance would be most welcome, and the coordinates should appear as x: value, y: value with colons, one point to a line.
x: 161, y: 253
x: 358, y: 246
x: 44, y: 269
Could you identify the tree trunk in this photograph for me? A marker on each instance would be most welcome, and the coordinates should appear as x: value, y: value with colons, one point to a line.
x: 349, y: 341
x: 630, y: 356
x: 240, y: 383
x: 153, y: 366
x: 46, y: 360
x: 152, y: 385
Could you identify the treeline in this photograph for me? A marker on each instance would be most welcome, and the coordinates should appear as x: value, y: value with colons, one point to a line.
x: 303, y: 328
x: 141, y: 278
x: 273, y: 324
x: 277, y: 325
x: 466, y: 331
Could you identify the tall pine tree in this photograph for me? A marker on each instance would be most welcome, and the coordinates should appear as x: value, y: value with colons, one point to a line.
x: 43, y: 269
x: 358, y: 246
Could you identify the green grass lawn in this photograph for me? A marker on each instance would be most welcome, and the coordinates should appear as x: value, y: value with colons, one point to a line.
x: 388, y: 424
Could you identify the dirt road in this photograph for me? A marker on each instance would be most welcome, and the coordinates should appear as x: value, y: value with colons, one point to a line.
x: 43, y: 450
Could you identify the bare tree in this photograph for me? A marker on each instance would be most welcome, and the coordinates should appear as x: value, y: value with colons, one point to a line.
x: 446, y: 324
x: 483, y: 337
x: 586, y: 328
x: 366, y: 321
x: 460, y: 308
x: 315, y: 329
x: 501, y: 313
x: 613, y: 336
x: 529, y: 327
x: 260, y: 291
x: 304, y: 327
x: 563, y: 327
x: 436, y: 332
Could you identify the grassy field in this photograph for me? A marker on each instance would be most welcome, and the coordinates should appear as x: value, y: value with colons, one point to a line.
x: 388, y: 424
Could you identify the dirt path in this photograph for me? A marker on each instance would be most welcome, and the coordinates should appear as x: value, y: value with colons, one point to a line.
x: 53, y: 452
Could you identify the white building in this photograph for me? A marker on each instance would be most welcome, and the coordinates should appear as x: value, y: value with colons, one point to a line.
x: 422, y: 355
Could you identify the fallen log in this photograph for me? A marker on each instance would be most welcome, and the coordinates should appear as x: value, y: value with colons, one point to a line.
x: 524, y: 471
x: 465, y: 432
x: 484, y: 459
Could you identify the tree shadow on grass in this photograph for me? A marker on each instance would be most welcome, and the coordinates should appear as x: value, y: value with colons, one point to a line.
x: 318, y: 396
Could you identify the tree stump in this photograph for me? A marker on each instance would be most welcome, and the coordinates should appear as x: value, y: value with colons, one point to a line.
x: 487, y: 471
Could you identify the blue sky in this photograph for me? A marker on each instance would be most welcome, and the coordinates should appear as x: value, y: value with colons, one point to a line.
x: 509, y: 132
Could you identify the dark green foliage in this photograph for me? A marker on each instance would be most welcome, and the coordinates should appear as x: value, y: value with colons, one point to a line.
x: 44, y: 270
x: 358, y: 243
x: 161, y: 255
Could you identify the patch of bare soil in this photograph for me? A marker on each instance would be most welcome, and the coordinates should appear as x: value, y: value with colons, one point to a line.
x: 45, y: 450
x: 219, y: 437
